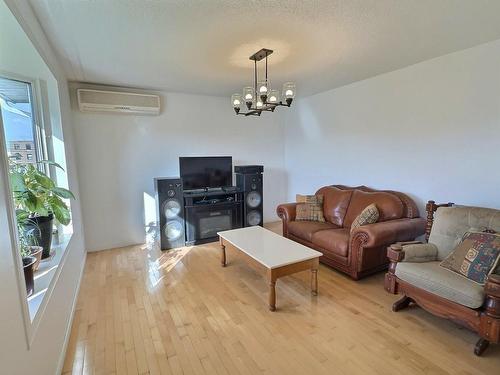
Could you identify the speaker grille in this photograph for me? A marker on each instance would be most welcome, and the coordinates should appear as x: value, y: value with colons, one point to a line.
x: 171, y: 208
x: 173, y: 230
x: 253, y: 199
x: 254, y: 218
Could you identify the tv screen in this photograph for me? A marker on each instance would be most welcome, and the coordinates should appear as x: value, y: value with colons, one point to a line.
x: 206, y: 172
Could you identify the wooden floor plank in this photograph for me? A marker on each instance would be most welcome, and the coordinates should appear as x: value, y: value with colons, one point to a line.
x: 143, y: 311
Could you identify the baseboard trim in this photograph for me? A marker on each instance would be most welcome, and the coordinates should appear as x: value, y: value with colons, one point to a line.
x: 60, y: 362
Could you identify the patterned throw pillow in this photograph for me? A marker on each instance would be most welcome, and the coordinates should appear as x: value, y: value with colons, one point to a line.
x: 368, y: 216
x: 309, y: 208
x: 475, y: 257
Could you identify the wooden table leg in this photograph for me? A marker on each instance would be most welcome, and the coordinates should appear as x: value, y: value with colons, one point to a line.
x: 223, y: 253
x: 314, y: 278
x: 272, y: 291
x: 314, y: 282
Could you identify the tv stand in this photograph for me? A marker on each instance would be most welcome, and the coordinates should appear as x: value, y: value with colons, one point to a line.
x: 210, y: 211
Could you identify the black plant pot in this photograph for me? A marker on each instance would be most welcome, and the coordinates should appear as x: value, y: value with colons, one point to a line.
x: 42, y: 232
x: 28, y: 263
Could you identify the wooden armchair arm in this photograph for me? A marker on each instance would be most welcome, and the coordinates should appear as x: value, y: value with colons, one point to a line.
x: 492, y: 291
x: 396, y: 252
x: 492, y: 287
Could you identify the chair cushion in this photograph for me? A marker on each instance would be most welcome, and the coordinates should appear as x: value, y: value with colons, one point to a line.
x: 420, y: 252
x: 389, y: 206
x: 333, y: 240
x: 437, y: 280
x: 305, y: 229
x: 335, y: 203
x: 450, y: 224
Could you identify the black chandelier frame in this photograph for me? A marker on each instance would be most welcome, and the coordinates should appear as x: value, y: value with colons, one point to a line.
x: 266, y: 106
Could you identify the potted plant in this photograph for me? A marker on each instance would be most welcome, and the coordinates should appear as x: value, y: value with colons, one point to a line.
x: 29, y: 260
x: 38, y: 198
x: 27, y: 229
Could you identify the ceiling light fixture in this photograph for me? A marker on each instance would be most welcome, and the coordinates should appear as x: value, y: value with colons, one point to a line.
x: 260, y: 97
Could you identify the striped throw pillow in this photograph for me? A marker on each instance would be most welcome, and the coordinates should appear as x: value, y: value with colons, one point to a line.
x: 369, y: 215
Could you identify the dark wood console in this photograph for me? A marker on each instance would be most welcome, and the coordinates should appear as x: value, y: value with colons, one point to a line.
x: 208, y: 212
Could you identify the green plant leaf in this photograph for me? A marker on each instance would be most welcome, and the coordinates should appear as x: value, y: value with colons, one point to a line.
x: 22, y: 216
x: 63, y: 193
x: 59, y: 209
x: 17, y: 182
x: 50, y: 162
x: 45, y: 181
x: 31, y: 201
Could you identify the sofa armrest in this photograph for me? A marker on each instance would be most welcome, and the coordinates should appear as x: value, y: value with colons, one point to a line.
x: 286, y: 211
x: 389, y: 232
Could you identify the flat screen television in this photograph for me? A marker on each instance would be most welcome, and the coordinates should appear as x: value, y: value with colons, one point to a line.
x: 206, y: 172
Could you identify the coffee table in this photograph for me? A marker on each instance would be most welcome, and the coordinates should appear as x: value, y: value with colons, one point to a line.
x: 277, y: 255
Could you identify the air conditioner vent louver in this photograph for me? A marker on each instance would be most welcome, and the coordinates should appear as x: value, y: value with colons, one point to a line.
x: 118, y: 102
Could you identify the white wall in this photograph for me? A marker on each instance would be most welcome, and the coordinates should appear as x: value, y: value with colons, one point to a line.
x: 46, y: 352
x: 431, y: 130
x: 119, y: 155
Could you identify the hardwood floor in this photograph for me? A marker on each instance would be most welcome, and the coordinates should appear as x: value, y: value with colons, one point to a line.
x: 143, y: 311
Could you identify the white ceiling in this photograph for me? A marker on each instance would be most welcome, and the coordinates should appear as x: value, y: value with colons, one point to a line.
x: 202, y: 46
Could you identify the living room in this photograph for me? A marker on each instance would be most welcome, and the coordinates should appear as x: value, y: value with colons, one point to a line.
x: 325, y: 219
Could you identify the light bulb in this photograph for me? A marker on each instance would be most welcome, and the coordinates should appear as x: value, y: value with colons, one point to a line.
x: 263, y: 87
x: 248, y: 93
x: 259, y: 104
x: 236, y: 100
x: 273, y: 96
x: 289, y: 90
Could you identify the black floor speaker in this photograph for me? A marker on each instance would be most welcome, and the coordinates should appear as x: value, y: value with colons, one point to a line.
x: 170, y: 212
x: 250, y: 180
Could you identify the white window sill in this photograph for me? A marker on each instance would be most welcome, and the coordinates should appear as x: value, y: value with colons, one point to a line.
x: 46, y: 273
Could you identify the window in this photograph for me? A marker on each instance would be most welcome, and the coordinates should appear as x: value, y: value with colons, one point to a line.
x: 20, y: 127
x: 25, y: 147
x: 30, y: 117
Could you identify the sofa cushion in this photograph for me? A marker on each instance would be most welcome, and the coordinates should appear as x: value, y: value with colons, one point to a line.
x: 335, y: 203
x: 389, y: 206
x: 309, y: 208
x: 368, y: 216
x: 332, y: 240
x: 305, y: 229
x: 437, y: 280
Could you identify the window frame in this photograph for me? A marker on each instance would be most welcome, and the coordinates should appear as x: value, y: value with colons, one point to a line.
x: 43, y: 144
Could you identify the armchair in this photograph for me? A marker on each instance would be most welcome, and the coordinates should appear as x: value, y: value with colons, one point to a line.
x: 415, y: 273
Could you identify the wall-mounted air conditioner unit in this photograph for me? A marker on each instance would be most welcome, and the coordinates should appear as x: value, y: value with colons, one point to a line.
x: 118, y: 102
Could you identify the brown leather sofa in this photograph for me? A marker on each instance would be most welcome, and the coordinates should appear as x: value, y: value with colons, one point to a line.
x: 362, y: 251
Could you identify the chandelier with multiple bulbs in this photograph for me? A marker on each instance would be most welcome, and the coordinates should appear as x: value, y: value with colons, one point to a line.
x: 261, y: 97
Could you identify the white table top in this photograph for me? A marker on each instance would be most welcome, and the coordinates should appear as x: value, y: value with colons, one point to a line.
x: 268, y: 248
